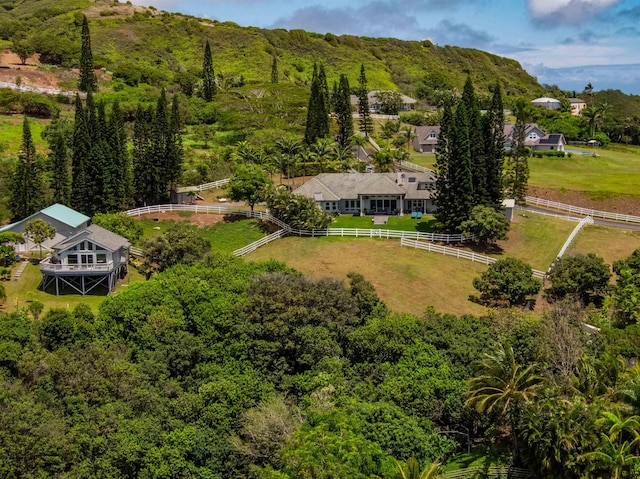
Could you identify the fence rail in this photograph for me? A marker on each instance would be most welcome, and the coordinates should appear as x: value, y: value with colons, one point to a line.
x: 531, y: 200
x: 414, y: 167
x: 382, y: 233
x: 213, y: 184
x: 585, y: 221
x: 491, y: 472
x: 458, y: 253
x: 263, y: 241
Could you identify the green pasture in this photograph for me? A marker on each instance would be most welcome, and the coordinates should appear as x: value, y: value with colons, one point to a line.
x: 610, y: 243
x: 11, y: 133
x: 615, y: 171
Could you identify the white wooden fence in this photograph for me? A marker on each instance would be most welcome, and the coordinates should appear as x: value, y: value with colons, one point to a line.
x: 213, y: 184
x: 582, y: 211
x: 490, y: 472
x: 458, y: 253
x: 256, y: 244
x: 587, y: 220
x: 414, y: 167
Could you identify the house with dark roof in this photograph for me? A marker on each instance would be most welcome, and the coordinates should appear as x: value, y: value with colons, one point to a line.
x: 407, y: 103
x: 89, y: 258
x: 426, y: 139
x: 65, y: 220
x: 371, y: 193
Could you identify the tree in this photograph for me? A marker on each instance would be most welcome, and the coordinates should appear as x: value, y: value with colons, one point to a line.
x: 23, y: 48
x: 476, y: 147
x: 486, y: 225
x: 249, y: 184
x: 407, y: 134
x: 120, y: 224
x: 502, y: 385
x: 208, y: 76
x: 390, y: 102
x: 38, y: 231
x: 493, y: 133
x: 508, y: 281
x: 88, y: 81
x: 26, y: 184
x: 364, y: 115
x: 383, y: 160
x: 343, y: 112
x: 317, y: 125
x: 274, y: 70
x: 60, y: 159
x: 582, y: 277
x: 460, y: 175
x: 412, y: 470
x: 297, y: 211
x: 180, y: 244
x: 444, y: 194
x: 517, y: 176
x: 80, y: 149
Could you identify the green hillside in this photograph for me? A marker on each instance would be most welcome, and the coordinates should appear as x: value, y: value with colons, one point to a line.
x: 141, y: 45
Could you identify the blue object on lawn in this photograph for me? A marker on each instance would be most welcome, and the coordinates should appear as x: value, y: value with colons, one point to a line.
x: 414, y: 215
x: 419, y: 215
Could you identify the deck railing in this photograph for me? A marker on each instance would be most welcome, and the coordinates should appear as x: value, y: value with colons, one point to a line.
x: 47, y: 267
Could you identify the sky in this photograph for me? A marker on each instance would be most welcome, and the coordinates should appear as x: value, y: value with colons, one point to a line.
x: 568, y: 43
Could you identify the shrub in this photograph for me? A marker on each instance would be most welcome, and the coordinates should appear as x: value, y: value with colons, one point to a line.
x: 507, y: 282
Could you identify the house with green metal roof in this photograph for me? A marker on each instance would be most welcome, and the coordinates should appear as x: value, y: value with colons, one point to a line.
x: 65, y: 220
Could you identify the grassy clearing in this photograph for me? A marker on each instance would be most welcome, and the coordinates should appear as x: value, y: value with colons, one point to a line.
x: 610, y: 243
x: 404, y: 223
x: 614, y: 171
x: 20, y: 293
x: 536, y: 239
x: 11, y: 133
x: 407, y: 280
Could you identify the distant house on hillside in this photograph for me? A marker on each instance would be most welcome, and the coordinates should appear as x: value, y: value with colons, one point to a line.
x: 548, y: 103
x: 426, y: 139
x: 375, y: 106
x: 577, y: 105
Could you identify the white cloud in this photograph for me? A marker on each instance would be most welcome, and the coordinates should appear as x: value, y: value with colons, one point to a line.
x: 554, y: 12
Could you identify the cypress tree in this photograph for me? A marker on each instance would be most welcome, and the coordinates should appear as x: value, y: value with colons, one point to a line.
x: 518, y: 164
x: 461, y: 181
x: 208, y: 77
x: 88, y: 81
x: 323, y: 113
x: 343, y: 112
x: 493, y: 128
x: 274, y: 70
x: 478, y: 161
x: 365, y: 123
x: 95, y: 192
x: 145, y: 177
x: 26, y: 184
x: 161, y: 138
x: 174, y: 151
x: 60, y: 164
x: 443, y: 198
x: 313, y: 129
x: 117, y: 139
x: 80, y: 150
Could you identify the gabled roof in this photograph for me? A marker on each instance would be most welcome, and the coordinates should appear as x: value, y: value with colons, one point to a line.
x: 576, y: 100
x: 552, y: 139
x: 96, y: 234
x: 423, y: 132
x: 58, y: 212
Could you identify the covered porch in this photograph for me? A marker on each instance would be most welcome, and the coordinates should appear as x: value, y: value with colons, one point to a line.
x: 389, y: 205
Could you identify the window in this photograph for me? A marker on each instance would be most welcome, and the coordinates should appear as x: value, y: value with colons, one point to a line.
x: 412, y: 179
x: 533, y: 136
x: 432, y: 134
x: 89, y: 245
x: 72, y: 259
x: 101, y: 258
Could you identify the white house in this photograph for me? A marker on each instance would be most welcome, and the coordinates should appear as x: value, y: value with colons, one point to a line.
x: 546, y: 102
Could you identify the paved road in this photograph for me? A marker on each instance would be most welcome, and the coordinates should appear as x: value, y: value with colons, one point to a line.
x: 597, y: 221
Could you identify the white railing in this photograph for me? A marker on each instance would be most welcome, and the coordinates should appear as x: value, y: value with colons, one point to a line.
x: 261, y: 242
x: 46, y: 266
x: 490, y: 472
x: 414, y: 167
x: 588, y: 220
x: 561, y: 216
x: 382, y: 234
x: 134, y: 250
x: 213, y: 184
x: 582, y: 211
x: 458, y: 253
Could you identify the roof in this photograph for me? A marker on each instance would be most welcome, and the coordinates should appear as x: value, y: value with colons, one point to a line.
x: 576, y: 100
x: 58, y: 212
x: 552, y: 139
x: 422, y: 134
x: 371, y: 96
x: 545, y: 99
x: 338, y: 186
x: 96, y: 234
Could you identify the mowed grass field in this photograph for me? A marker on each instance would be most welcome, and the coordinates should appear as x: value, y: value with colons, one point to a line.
x: 610, y: 243
x: 408, y: 280
x: 11, y: 133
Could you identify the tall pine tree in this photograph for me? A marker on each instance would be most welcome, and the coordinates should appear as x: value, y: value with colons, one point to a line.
x: 365, y: 124
x: 80, y: 149
x: 478, y: 161
x: 493, y: 134
x: 274, y: 70
x: 317, y: 112
x: 88, y: 81
x: 518, y: 163
x: 60, y: 160
x: 460, y: 175
x: 117, y: 139
x: 174, y: 153
x: 26, y: 185
x: 443, y: 197
x: 343, y: 112
x: 145, y: 171
x: 208, y: 77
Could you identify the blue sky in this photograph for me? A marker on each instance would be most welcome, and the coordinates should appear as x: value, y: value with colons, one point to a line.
x: 564, y: 42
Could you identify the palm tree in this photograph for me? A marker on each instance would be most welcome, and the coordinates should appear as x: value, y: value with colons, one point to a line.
x: 321, y: 150
x: 289, y: 148
x: 343, y: 157
x: 383, y: 160
x: 408, y: 134
x: 412, y: 470
x: 502, y: 385
x: 389, y: 128
x: 614, y: 460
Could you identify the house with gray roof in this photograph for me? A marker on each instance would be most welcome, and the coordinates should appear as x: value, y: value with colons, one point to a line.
x: 371, y: 193
x: 89, y: 258
x: 407, y: 103
x: 426, y: 139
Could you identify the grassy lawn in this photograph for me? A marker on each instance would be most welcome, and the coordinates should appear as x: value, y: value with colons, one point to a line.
x: 610, y: 243
x: 20, y: 293
x: 536, y: 239
x: 11, y: 133
x: 423, y: 159
x: 614, y: 171
x: 404, y: 223
x: 408, y: 280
